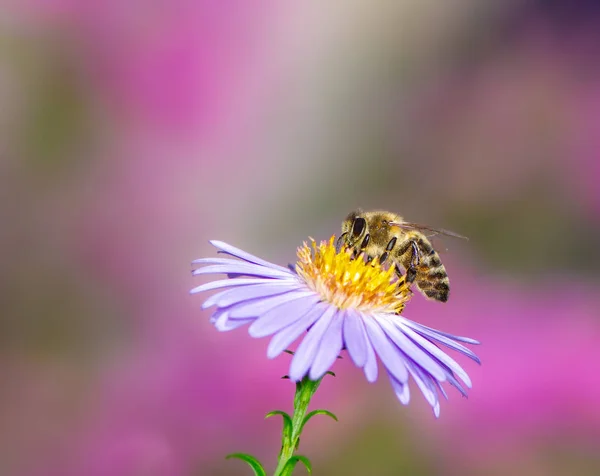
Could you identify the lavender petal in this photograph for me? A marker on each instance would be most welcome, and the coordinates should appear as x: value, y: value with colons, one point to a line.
x: 307, y: 350
x: 424, y: 384
x: 215, y: 315
x: 233, y: 251
x: 257, y: 307
x: 412, y: 350
x: 355, y: 337
x: 284, y: 338
x: 441, y: 389
x: 442, y: 338
x: 227, y: 283
x: 329, y: 348
x: 370, y: 367
x: 221, y: 320
x: 205, y: 261
x: 386, y: 350
x: 229, y: 324
x: 281, y: 316
x: 241, y: 268
x: 401, y: 390
x: 225, y: 298
x: 439, y: 354
x: 456, y: 384
x: 246, y: 293
x: 432, y: 331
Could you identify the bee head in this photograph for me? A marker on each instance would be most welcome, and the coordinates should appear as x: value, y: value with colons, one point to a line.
x: 354, y: 227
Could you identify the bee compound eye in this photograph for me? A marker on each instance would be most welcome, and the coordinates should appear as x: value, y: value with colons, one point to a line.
x: 358, y: 227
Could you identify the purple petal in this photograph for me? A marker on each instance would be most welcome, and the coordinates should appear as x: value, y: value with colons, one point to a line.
x: 439, y: 354
x: 386, y: 350
x: 212, y: 300
x: 215, y: 315
x: 417, y: 326
x: 221, y: 320
x: 227, y: 283
x: 246, y: 293
x: 204, y: 261
x: 229, y: 324
x: 258, y: 307
x: 456, y: 384
x: 424, y: 383
x: 370, y: 367
x: 282, y: 316
x: 329, y: 348
x: 233, y: 251
x: 284, y: 338
x: 226, y: 296
x: 307, y: 350
x: 441, y: 389
x: 442, y: 338
x: 412, y: 350
x: 355, y: 337
x: 241, y: 268
x: 401, y: 390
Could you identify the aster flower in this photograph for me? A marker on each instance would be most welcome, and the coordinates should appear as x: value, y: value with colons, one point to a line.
x: 335, y: 302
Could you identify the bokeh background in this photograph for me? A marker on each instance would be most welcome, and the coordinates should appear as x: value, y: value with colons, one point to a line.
x: 133, y: 132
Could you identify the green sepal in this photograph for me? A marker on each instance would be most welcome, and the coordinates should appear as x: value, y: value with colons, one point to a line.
x: 288, y: 469
x: 316, y: 412
x: 251, y: 460
x: 287, y: 424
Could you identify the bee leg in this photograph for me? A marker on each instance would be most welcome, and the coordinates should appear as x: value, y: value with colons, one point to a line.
x: 339, y: 242
x: 359, y: 249
x: 365, y: 242
x: 411, y: 271
x: 399, y: 272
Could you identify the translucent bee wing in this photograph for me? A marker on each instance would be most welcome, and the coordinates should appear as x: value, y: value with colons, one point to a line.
x: 435, y: 231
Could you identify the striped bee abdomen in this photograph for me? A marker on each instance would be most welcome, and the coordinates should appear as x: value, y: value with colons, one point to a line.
x: 430, y: 275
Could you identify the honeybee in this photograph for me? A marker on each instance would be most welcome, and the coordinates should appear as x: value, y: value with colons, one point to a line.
x: 387, y: 236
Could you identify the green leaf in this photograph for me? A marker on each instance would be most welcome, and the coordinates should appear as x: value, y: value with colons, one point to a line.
x: 288, y: 469
x: 316, y: 412
x: 251, y: 460
x: 287, y: 424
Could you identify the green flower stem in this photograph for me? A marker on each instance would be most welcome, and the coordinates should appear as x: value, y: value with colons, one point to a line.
x: 292, y: 428
x: 305, y: 389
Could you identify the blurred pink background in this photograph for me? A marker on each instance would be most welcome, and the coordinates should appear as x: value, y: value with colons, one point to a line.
x: 133, y: 132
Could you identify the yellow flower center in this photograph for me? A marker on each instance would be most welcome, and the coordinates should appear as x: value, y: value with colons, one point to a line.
x: 351, y: 283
